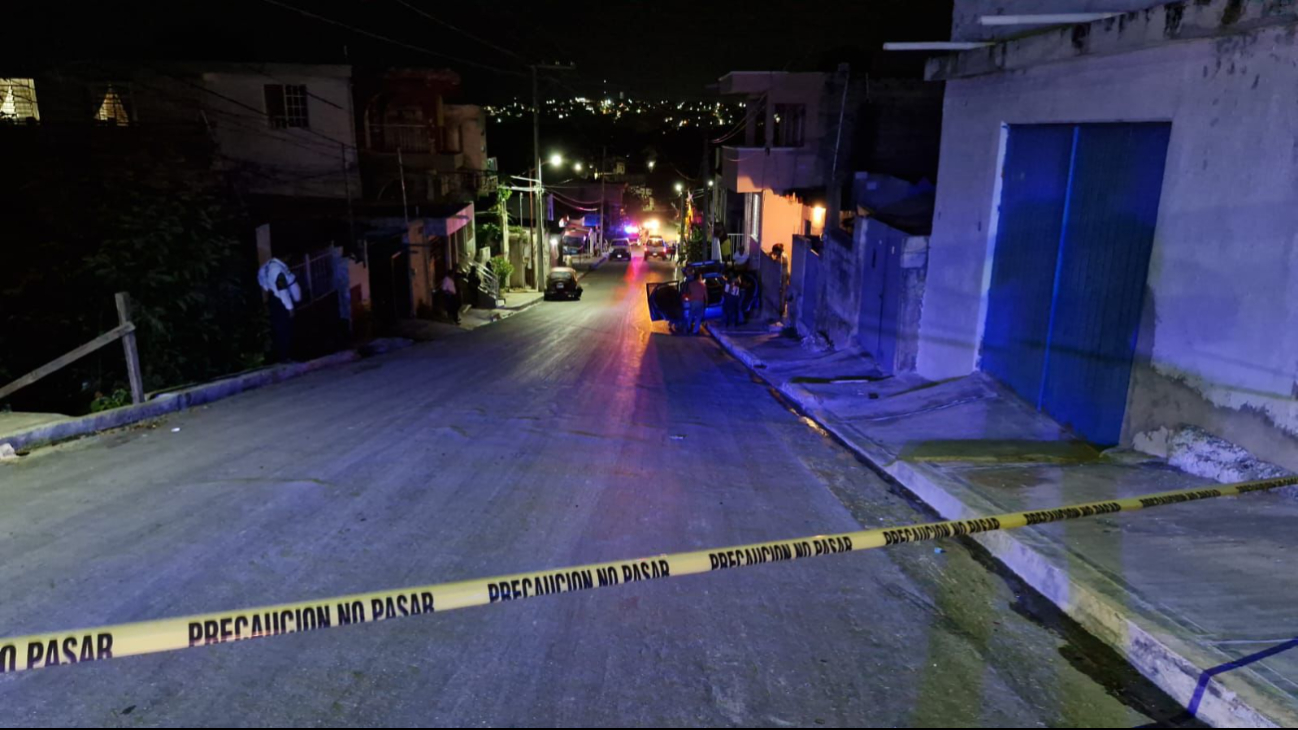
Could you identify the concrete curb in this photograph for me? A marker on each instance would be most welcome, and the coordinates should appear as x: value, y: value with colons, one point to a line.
x: 1101, y: 605
x: 171, y: 402
x: 593, y: 265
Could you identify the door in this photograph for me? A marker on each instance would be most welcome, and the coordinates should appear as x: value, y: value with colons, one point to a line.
x: 389, y: 280
x: 1078, y: 209
x: 877, y: 323
x: 664, y: 301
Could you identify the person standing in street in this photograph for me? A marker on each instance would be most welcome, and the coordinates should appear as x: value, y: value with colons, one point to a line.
x: 747, y: 290
x: 730, y: 302
x: 697, y: 294
x: 277, y: 280
x: 450, y: 298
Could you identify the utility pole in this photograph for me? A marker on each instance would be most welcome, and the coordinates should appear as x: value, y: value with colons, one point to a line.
x: 603, y: 178
x: 538, y: 268
x: 542, y: 262
x: 347, y: 184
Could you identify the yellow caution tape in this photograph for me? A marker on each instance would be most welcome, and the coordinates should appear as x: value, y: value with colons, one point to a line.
x: 147, y: 637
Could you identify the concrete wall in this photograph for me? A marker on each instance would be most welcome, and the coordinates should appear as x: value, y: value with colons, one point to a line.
x: 1217, y: 341
x: 841, y: 287
x: 471, y: 121
x: 965, y: 14
x: 299, y: 162
x: 358, y: 274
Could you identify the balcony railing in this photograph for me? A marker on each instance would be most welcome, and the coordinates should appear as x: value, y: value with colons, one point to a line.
x: 404, y: 137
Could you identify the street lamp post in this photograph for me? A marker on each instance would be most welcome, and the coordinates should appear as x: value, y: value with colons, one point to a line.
x: 682, y: 242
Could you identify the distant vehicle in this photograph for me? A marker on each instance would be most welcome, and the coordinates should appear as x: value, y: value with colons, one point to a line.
x: 562, y: 284
x: 574, y: 243
x: 620, y: 250
x: 655, y: 248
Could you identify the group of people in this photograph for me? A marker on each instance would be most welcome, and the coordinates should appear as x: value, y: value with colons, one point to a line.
x: 737, y: 289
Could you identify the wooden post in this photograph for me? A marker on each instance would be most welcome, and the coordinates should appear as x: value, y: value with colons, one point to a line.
x: 128, y: 344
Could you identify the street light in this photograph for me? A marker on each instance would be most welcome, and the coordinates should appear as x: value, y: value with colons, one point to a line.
x: 576, y: 166
x: 679, y: 187
x: 651, y: 165
x: 556, y: 159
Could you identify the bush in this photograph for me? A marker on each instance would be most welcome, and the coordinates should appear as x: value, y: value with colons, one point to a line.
x: 697, y: 248
x: 501, y: 267
x: 102, y: 402
x: 152, y: 219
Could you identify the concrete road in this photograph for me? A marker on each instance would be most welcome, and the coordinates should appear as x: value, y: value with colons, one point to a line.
x: 574, y: 432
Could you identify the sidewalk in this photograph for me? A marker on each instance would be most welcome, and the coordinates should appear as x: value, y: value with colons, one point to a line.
x: 1201, y: 598
x: 516, y: 302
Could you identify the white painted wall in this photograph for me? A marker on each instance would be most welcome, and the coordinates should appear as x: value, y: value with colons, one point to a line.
x: 782, y: 218
x: 1224, y: 273
x: 299, y: 162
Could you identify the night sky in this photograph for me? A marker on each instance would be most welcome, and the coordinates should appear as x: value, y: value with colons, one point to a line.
x: 667, y: 48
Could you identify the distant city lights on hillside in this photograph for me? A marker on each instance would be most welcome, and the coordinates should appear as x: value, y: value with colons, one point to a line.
x: 675, y: 114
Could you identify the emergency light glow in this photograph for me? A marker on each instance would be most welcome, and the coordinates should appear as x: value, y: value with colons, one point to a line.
x: 629, y: 228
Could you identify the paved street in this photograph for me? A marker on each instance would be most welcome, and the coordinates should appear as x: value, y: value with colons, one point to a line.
x: 573, y: 432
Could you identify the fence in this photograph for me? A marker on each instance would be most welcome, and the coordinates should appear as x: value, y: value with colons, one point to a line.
x: 316, y: 276
x: 804, y: 283
x: 321, y: 321
x: 125, y: 331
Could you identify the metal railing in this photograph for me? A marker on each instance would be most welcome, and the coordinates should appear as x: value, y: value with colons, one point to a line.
x: 405, y: 137
x: 315, y: 275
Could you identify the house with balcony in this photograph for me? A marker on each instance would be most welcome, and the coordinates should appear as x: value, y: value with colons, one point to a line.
x: 773, y: 163
x: 415, y: 146
x: 278, y: 134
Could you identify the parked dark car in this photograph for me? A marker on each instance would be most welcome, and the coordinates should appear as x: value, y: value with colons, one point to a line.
x: 562, y: 284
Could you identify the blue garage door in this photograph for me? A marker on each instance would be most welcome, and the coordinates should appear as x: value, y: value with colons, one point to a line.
x: 1078, y: 209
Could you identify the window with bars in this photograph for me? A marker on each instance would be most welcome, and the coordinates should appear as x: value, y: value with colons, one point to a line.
x: 18, y: 100
x: 286, y: 106
x: 115, y: 106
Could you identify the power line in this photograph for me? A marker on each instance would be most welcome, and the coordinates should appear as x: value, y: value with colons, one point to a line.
x: 250, y: 108
x: 252, y: 125
x: 461, y: 31
x: 393, y: 41
x: 254, y: 121
x: 317, y: 97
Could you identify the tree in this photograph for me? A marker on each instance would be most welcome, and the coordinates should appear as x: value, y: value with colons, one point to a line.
x: 144, y: 215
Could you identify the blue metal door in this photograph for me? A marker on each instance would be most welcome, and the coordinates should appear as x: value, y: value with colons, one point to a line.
x: 1103, y: 269
x: 1034, y: 185
x: 1078, y: 209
